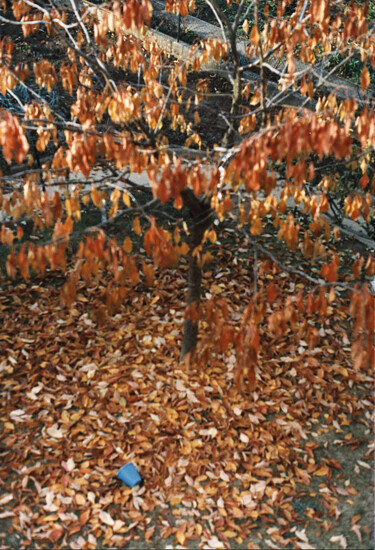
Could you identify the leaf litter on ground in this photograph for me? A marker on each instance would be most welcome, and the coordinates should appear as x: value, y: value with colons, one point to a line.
x: 83, y: 393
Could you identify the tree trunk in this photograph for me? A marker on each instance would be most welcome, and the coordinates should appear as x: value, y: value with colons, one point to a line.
x: 190, y: 335
x: 201, y: 219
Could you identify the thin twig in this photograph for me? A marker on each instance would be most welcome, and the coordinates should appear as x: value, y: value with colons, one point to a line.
x: 255, y: 267
x: 284, y: 267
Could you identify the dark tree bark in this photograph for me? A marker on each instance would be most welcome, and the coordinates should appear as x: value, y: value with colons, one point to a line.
x: 201, y: 218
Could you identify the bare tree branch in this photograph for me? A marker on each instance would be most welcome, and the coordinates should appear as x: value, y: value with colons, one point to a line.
x: 318, y: 282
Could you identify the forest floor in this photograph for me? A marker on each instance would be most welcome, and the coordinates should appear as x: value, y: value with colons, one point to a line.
x: 288, y: 465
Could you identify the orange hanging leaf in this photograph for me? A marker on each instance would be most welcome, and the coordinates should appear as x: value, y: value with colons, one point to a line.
x: 137, y: 226
x: 12, y: 138
x: 206, y: 258
x: 19, y: 232
x: 226, y: 337
x: 6, y: 235
x: 272, y: 292
x: 96, y: 196
x: 370, y: 266
x: 128, y: 245
x: 149, y: 273
x: 126, y: 199
x: 11, y: 265
x: 364, y: 180
x: 183, y: 249
x: 254, y: 36
x: 329, y: 272
x: 256, y: 227
x: 23, y: 263
x: 212, y: 236
x: 134, y: 275
x: 365, y: 78
x: 176, y: 235
x: 251, y: 377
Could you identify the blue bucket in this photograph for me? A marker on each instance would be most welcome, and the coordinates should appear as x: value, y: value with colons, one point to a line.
x: 129, y: 475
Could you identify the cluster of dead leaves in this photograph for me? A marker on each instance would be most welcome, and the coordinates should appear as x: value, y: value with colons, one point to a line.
x: 221, y: 468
